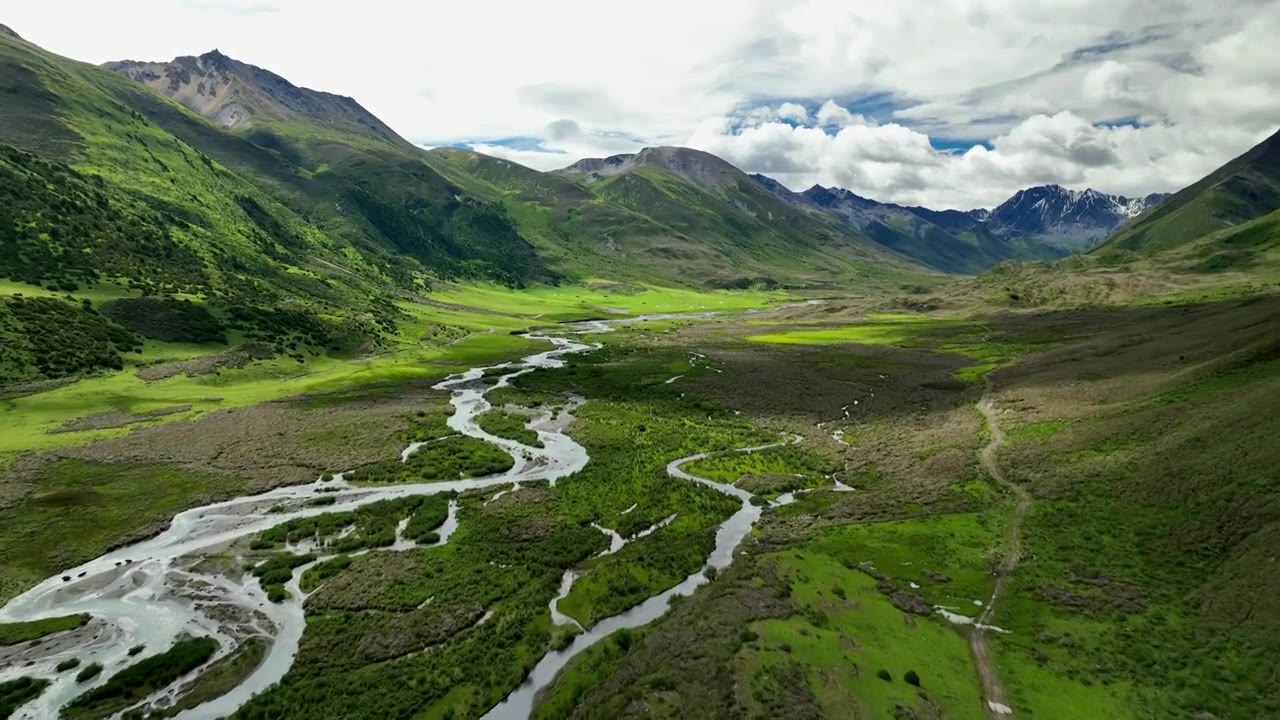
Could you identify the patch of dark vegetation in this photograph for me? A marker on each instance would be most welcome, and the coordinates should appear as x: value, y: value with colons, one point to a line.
x: 52, y: 338
x: 167, y: 319
x: 16, y: 693
x: 1090, y: 592
x: 277, y: 570
x: 369, y: 526
x: 782, y: 691
x: 63, y: 229
x: 297, y: 333
x: 511, y: 426
x: 426, y: 218
x: 450, y: 458
x: 141, y: 679
x: 88, y: 673
x: 220, y: 677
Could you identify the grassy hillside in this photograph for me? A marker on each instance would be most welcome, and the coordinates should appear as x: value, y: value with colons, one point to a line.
x: 1218, y: 238
x: 299, y: 236
x: 712, y: 225
x: 1241, y: 190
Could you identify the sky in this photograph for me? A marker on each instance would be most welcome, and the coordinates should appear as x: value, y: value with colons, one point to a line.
x: 945, y: 103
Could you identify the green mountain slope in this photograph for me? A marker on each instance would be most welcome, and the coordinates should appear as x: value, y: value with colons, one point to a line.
x: 1242, y: 190
x: 675, y: 232
x: 676, y: 213
x: 327, y: 158
x: 297, y: 234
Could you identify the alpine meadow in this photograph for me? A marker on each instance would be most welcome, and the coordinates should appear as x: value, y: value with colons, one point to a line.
x: 817, y: 364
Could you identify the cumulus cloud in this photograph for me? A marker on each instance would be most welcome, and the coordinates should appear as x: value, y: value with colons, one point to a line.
x: 895, y: 163
x: 1128, y: 96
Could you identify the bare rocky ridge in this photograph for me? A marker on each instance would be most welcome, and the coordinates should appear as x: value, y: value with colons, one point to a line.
x: 237, y: 95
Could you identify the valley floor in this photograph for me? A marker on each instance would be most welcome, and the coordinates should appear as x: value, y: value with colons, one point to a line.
x: 1058, y: 515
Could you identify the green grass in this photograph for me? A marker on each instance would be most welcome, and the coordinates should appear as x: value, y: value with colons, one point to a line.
x: 968, y: 338
x: 1038, y: 430
x: 29, y: 419
x: 847, y: 633
x: 451, y: 458
x: 965, y: 547
x: 14, y: 633
x: 511, y: 426
x: 771, y: 472
x: 584, y: 672
x: 99, y: 293
x: 570, y: 301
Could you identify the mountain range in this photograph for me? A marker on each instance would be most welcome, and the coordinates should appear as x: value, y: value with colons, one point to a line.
x: 211, y: 177
x: 1045, y: 221
x: 1037, y: 223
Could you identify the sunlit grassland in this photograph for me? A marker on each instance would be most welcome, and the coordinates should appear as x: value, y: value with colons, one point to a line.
x: 432, y: 341
x: 29, y: 419
x: 846, y: 634
x: 966, y: 337
x: 569, y: 301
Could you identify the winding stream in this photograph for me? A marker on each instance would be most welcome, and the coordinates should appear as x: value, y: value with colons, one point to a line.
x: 156, y: 591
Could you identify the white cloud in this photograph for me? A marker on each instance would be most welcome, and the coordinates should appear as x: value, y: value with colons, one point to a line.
x: 771, y: 84
x: 894, y: 163
x: 793, y: 112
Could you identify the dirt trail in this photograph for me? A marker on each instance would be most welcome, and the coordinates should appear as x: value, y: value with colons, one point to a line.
x: 992, y: 690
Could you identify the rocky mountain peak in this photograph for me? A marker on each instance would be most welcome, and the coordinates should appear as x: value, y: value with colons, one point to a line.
x: 236, y: 95
x: 1077, y: 218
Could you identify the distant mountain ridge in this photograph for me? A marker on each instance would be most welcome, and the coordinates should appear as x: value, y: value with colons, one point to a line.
x: 1036, y: 223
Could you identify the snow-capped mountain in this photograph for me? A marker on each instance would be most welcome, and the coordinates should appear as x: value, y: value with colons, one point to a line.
x: 1039, y: 222
x: 1070, y: 219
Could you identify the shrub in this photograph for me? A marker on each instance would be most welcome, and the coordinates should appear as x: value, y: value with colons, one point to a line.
x: 884, y: 675
x: 912, y: 678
